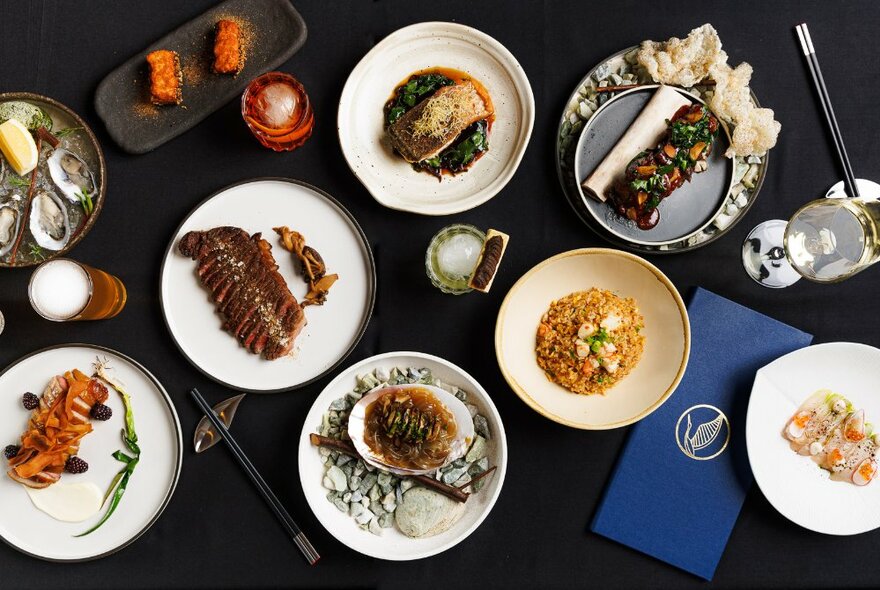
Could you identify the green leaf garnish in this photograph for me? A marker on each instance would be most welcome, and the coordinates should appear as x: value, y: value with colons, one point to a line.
x: 19, y: 181
x: 66, y: 131
x: 85, y: 200
x: 129, y: 436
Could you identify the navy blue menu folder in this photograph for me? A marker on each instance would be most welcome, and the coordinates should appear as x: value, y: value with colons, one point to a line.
x: 682, y: 477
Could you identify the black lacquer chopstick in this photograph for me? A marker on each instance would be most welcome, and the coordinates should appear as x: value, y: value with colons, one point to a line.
x: 825, y: 100
x: 299, y: 538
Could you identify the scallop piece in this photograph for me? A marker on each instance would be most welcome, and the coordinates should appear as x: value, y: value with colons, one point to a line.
x: 798, y: 425
x: 464, y: 425
x: 49, y: 223
x: 864, y: 473
x: 854, y: 427
x: 70, y: 174
x: 10, y: 222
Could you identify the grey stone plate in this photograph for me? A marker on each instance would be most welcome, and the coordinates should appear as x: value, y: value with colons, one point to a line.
x: 683, y: 213
x: 272, y: 31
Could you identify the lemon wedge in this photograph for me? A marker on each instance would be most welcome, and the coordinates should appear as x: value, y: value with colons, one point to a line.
x: 17, y: 144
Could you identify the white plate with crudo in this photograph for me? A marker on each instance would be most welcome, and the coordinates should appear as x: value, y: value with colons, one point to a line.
x: 393, y: 544
x: 387, y: 176
x: 798, y: 488
x: 333, y: 329
x: 34, y: 532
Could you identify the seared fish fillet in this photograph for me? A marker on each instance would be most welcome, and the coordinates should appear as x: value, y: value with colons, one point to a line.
x: 432, y: 125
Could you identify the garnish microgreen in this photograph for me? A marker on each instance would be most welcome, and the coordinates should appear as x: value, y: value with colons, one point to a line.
x: 85, y: 200
x: 19, y: 181
x: 36, y: 252
x: 66, y: 131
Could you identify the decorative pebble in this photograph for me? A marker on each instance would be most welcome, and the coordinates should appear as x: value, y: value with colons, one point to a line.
x: 339, y: 404
x: 367, y: 482
x: 337, y: 476
x: 386, y: 520
x: 364, y: 517
x: 375, y: 528
x: 382, y: 374
x: 354, y: 483
x: 481, y: 426
x: 478, y: 449
x: 356, y: 510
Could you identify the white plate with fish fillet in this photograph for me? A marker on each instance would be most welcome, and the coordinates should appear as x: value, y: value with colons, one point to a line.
x: 332, y: 330
x: 795, y: 485
x: 388, y: 177
x: 390, y: 543
x: 152, y: 482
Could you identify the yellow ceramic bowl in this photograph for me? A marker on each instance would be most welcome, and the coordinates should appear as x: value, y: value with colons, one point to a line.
x: 667, y: 337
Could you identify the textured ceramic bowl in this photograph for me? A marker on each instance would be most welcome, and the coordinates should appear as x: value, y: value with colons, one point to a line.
x: 666, y: 330
x: 390, y: 179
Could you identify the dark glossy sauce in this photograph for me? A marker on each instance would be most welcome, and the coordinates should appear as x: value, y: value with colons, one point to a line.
x: 410, y: 428
x: 656, y: 173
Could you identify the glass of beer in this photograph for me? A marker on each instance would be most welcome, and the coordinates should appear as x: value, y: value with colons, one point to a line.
x: 63, y: 290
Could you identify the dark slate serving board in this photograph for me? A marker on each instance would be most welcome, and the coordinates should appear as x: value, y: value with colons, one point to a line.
x: 272, y: 30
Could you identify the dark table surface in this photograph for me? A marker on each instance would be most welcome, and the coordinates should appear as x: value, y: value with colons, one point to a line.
x: 216, y: 531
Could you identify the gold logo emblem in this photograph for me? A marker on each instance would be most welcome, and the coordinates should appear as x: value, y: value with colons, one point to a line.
x: 702, y: 432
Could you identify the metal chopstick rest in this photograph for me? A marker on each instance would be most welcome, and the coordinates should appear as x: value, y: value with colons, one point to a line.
x: 281, y: 513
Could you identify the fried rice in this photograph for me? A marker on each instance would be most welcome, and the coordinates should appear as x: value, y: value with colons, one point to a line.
x: 589, y: 340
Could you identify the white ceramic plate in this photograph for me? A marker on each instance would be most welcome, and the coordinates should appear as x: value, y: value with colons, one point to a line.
x: 394, y: 545
x: 33, y: 532
x: 389, y: 178
x: 333, y: 329
x: 798, y: 488
x: 667, y: 337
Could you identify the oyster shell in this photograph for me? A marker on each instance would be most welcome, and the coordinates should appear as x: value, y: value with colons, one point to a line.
x: 357, y: 428
x: 70, y: 174
x: 49, y: 223
x: 10, y: 222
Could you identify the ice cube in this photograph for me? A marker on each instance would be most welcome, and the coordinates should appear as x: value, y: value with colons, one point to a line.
x: 458, y: 255
x: 276, y: 105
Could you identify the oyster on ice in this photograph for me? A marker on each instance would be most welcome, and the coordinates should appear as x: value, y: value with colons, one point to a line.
x: 410, y: 429
x: 10, y: 221
x: 70, y: 174
x: 49, y: 223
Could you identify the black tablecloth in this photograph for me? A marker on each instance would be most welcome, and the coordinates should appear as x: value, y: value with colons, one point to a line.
x: 216, y: 531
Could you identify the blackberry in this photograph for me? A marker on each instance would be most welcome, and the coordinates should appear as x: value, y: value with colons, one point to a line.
x: 101, y: 412
x: 11, y: 451
x: 76, y: 465
x: 30, y: 401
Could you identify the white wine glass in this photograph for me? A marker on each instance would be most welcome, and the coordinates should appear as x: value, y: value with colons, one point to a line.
x: 826, y: 241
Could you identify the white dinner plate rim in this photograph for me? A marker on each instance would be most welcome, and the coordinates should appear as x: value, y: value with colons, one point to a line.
x: 773, y: 501
x: 178, y: 462
x: 486, y: 401
x: 372, y: 277
x: 512, y: 66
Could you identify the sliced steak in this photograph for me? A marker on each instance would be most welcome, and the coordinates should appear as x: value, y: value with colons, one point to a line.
x: 248, y: 291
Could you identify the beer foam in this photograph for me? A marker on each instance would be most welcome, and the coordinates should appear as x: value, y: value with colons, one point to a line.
x: 60, y: 289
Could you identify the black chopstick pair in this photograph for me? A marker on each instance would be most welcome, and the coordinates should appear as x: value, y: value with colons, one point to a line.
x: 296, y: 534
x: 825, y: 100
